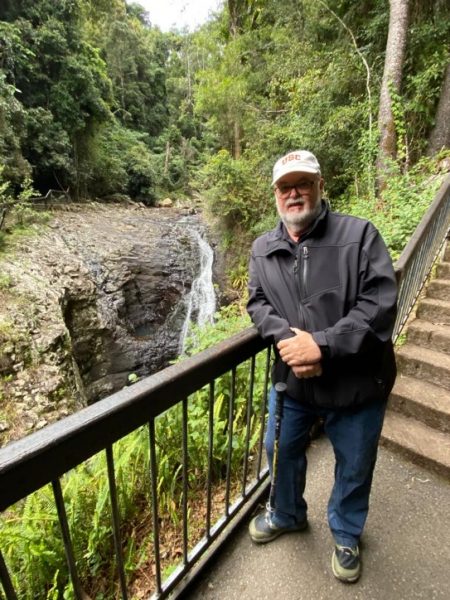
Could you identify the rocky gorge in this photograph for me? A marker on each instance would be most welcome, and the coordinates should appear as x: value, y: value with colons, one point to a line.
x: 93, y: 300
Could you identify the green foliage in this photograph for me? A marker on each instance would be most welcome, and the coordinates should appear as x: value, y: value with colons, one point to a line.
x: 133, y: 378
x: 239, y: 279
x: 400, y: 125
x: 405, y: 200
x: 122, y: 163
x: 30, y: 534
x: 48, y: 144
x: 227, y: 321
x: 426, y: 60
x: 12, y: 112
x: 229, y: 184
x: 309, y: 79
x: 136, y: 65
x: 17, y: 210
x: 62, y: 78
x: 254, y: 82
x: 5, y: 281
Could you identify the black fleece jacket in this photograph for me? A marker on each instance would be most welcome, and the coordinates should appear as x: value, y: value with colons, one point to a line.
x: 337, y: 283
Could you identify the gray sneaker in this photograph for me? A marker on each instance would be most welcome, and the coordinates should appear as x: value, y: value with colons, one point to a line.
x: 263, y: 530
x: 346, y: 563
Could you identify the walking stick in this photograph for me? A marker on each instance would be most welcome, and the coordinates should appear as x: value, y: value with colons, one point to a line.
x: 280, y: 389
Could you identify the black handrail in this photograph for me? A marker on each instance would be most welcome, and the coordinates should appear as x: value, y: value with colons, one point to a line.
x: 417, y: 259
x: 65, y: 444
x: 44, y: 456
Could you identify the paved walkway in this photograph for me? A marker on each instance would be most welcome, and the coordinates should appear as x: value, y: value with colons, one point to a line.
x: 405, y: 547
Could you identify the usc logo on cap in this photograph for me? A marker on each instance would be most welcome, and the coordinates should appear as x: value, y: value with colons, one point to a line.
x: 290, y: 157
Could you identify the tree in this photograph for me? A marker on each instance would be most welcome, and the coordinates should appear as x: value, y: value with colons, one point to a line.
x: 440, y: 135
x: 135, y: 57
x: 392, y: 79
x: 15, y: 168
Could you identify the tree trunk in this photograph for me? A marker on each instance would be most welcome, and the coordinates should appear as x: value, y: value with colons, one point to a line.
x: 440, y: 136
x: 2, y: 216
x: 237, y: 140
x: 392, y: 76
x: 234, y: 24
x: 167, y: 159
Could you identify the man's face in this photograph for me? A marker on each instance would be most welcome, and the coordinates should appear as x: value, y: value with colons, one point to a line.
x: 298, y: 198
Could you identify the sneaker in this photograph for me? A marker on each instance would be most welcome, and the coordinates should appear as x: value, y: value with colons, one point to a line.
x: 263, y: 530
x: 346, y: 564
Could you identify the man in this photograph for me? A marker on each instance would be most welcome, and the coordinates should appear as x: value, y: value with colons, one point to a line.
x: 322, y: 287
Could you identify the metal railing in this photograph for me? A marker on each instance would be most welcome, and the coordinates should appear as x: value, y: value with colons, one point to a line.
x: 45, y: 456
x: 51, y: 198
x: 417, y: 259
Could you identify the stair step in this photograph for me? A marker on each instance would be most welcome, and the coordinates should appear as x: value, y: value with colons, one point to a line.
x: 443, y: 270
x: 422, y: 444
x: 424, y: 364
x: 429, y: 335
x: 440, y: 289
x: 434, y: 310
x: 422, y: 400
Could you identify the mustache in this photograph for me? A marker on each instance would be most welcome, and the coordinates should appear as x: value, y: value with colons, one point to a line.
x: 294, y: 201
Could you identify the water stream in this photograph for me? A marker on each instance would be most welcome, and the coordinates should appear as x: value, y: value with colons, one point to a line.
x: 201, y: 300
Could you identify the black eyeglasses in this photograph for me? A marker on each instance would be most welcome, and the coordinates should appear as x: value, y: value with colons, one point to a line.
x: 285, y: 189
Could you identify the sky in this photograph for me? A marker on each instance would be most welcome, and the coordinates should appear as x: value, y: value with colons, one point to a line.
x: 167, y: 14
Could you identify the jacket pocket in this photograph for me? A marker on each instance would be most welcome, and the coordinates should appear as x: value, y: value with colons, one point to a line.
x: 322, y: 271
x: 348, y: 389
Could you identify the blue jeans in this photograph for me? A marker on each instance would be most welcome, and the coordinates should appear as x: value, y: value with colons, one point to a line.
x: 354, y: 434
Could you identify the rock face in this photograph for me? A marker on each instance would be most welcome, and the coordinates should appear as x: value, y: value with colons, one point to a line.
x: 105, y: 289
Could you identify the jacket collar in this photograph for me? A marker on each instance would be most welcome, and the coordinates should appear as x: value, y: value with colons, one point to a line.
x: 279, y: 239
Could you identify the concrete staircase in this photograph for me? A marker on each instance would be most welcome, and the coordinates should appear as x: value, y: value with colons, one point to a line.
x: 417, y: 422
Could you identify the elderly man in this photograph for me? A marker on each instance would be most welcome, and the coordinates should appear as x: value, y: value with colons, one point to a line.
x: 322, y: 287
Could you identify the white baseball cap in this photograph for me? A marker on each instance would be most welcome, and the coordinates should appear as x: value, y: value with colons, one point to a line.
x: 298, y: 161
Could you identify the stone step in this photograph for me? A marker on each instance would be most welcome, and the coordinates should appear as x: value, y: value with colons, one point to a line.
x: 440, y: 289
x: 443, y: 270
x: 428, y: 335
x: 434, y: 310
x: 424, y: 364
x: 424, y: 401
x: 422, y: 444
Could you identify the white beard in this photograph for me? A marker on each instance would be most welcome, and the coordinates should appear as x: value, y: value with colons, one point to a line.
x: 299, y: 221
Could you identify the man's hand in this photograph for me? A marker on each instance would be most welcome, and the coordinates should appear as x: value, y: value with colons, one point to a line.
x: 300, y: 350
x: 308, y: 371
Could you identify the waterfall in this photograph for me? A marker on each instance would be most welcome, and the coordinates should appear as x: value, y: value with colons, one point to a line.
x: 201, y: 300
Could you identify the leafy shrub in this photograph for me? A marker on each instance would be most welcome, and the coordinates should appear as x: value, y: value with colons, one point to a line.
x: 403, y: 203
x: 122, y: 163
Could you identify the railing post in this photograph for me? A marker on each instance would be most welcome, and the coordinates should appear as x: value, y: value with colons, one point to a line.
x: 154, y: 501
x: 248, y: 422
x: 6, y: 580
x: 185, y: 479
x: 230, y: 439
x: 116, y: 521
x: 210, y: 457
x: 59, y: 501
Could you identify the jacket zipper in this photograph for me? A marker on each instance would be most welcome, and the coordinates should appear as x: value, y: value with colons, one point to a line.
x: 299, y: 291
x: 305, y: 269
x: 300, y: 281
